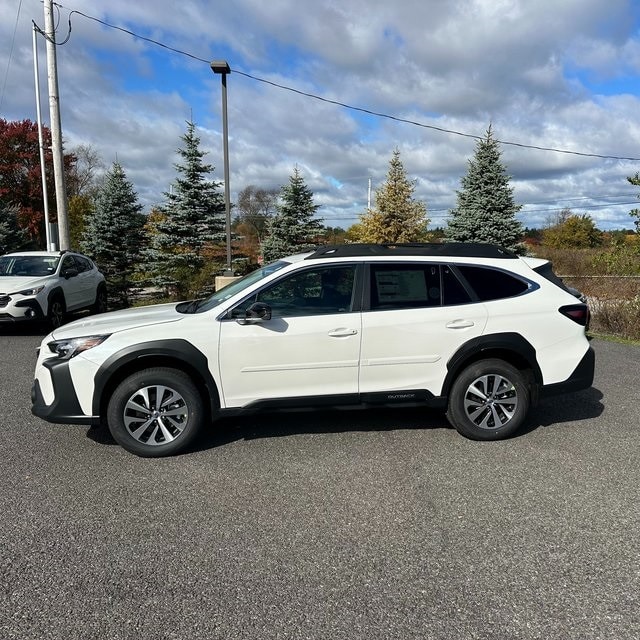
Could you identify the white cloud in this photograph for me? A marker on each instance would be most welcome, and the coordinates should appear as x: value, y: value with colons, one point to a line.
x: 526, y: 67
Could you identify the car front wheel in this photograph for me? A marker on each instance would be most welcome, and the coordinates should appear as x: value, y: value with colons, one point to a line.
x: 100, y: 305
x: 489, y: 400
x: 56, y: 312
x: 155, y: 412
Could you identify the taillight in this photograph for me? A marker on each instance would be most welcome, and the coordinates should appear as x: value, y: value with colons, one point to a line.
x: 577, y: 312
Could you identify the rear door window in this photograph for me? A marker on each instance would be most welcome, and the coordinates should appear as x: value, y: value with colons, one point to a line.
x: 404, y: 286
x: 453, y: 291
x: 411, y: 286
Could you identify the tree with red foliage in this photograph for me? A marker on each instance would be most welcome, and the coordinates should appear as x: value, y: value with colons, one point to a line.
x: 20, y: 177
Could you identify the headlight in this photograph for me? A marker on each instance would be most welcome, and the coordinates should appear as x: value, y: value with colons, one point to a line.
x: 67, y: 349
x: 30, y: 292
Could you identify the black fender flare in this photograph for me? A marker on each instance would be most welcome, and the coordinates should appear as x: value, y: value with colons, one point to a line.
x: 512, y: 347
x: 170, y: 352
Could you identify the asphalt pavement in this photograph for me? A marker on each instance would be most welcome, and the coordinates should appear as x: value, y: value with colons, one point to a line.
x: 352, y: 524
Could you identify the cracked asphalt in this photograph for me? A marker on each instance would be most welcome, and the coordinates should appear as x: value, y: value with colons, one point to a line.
x: 352, y: 524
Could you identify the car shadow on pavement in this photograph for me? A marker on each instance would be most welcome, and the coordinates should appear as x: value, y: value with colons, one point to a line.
x: 583, y: 405
x: 286, y: 423
x: 25, y: 329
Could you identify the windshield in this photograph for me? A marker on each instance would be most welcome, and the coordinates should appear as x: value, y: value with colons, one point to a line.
x: 237, y: 286
x: 28, y: 265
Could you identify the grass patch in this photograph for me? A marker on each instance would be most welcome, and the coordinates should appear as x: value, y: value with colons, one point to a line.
x: 607, y: 337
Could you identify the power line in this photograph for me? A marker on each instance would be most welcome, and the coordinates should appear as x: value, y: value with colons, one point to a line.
x: 582, y: 206
x: 430, y: 126
x: 352, y: 107
x: 136, y: 35
x: 444, y: 211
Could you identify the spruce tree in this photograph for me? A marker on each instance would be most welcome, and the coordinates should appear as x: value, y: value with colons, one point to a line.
x: 192, y: 218
x: 397, y: 216
x: 485, y: 210
x: 113, y: 233
x: 12, y: 237
x: 294, y: 227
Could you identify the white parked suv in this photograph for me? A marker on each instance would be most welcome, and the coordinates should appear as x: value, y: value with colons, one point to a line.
x: 470, y: 328
x: 45, y: 285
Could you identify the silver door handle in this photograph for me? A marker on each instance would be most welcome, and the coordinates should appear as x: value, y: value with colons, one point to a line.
x: 341, y: 333
x: 460, y: 324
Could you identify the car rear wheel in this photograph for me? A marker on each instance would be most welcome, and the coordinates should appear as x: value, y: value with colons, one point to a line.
x: 489, y: 400
x: 155, y: 412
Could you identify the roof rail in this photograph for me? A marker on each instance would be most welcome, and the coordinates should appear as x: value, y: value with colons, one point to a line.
x: 449, y: 249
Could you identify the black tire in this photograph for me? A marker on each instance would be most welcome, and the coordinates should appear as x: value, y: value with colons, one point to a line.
x: 100, y: 305
x: 155, y: 412
x: 57, y: 311
x: 489, y: 400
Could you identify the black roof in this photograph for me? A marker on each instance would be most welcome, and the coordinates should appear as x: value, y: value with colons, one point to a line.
x: 449, y: 249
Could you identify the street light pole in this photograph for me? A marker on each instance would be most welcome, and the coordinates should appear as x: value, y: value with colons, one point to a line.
x: 222, y: 67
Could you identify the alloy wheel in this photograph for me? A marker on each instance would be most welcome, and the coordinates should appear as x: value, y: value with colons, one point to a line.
x: 155, y: 415
x: 490, y: 401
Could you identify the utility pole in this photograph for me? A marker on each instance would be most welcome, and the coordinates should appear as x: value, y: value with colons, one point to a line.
x: 43, y: 166
x: 56, y: 128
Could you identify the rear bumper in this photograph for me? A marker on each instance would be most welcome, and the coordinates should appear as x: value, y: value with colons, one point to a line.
x: 581, y: 378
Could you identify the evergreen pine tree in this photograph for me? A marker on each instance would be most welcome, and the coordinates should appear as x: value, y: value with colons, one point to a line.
x: 485, y: 210
x: 397, y: 216
x: 12, y: 237
x: 113, y: 233
x: 191, y: 218
x: 294, y: 226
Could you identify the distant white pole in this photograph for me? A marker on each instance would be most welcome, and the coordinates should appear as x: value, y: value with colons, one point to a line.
x: 43, y: 168
x: 56, y: 127
x: 369, y: 196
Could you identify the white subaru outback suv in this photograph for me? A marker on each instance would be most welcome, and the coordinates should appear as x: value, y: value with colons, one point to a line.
x: 470, y: 328
x: 45, y: 285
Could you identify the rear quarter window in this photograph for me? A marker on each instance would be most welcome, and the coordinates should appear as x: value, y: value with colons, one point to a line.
x: 492, y: 284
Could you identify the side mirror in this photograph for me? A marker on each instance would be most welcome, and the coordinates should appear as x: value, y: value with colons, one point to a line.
x: 70, y: 273
x: 257, y: 312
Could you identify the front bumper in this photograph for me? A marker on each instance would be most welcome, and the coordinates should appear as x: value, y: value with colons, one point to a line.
x: 65, y: 408
x: 22, y: 311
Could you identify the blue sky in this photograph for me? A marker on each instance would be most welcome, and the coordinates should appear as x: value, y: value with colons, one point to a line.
x: 559, y: 75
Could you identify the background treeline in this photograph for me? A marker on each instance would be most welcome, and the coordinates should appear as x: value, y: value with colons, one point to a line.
x: 175, y: 250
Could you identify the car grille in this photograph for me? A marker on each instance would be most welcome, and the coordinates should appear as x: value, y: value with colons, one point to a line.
x: 4, y: 300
